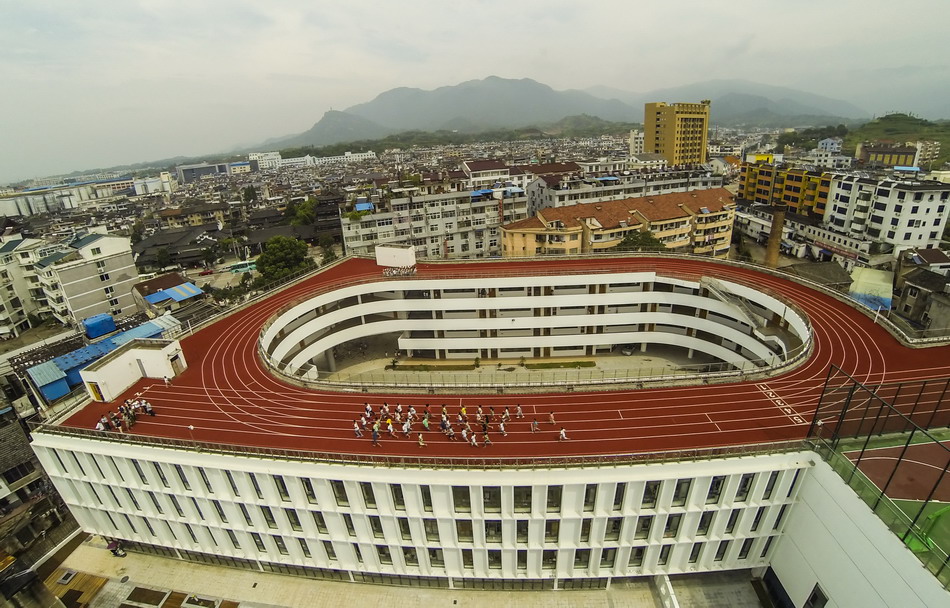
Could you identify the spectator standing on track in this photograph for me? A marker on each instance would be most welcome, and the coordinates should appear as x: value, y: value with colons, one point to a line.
x: 518, y: 412
x: 356, y: 429
x: 535, y: 426
x: 562, y: 436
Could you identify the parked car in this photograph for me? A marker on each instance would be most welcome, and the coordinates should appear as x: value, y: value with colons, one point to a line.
x: 206, y: 272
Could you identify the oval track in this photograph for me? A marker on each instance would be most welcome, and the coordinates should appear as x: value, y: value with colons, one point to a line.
x: 228, y: 396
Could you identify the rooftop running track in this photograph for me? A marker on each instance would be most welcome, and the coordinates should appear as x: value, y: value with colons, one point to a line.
x: 229, y: 398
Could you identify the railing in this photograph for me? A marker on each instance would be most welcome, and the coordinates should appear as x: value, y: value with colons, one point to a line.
x: 440, y: 462
x: 490, y: 377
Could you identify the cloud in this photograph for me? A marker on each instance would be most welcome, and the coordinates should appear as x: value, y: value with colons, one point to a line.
x: 105, y: 82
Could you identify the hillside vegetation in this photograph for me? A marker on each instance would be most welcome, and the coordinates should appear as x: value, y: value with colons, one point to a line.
x: 902, y: 128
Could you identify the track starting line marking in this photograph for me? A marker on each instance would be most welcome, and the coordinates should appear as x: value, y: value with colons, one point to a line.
x: 790, y: 413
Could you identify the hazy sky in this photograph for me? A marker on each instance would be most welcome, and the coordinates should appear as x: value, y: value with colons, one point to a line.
x: 93, y: 83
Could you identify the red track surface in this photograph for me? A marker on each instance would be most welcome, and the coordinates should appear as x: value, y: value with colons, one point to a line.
x: 914, y: 477
x: 229, y: 397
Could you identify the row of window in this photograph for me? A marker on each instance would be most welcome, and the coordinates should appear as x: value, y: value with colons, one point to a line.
x: 436, y: 559
x: 462, y: 496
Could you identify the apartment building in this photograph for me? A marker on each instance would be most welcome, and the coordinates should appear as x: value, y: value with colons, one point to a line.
x: 87, y: 276
x: 885, y: 154
x: 678, y: 131
x: 21, y: 291
x: 449, y: 225
x: 802, y: 191
x: 559, y: 190
x: 695, y: 222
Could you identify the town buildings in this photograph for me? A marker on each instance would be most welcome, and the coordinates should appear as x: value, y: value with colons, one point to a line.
x: 678, y: 131
x: 697, y: 222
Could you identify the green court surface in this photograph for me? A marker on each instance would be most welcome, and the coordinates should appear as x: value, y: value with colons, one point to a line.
x: 934, y: 523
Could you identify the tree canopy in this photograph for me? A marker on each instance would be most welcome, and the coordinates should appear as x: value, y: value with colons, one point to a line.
x: 640, y: 241
x: 282, y: 257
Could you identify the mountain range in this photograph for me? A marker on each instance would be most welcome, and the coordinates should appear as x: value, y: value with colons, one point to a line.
x: 500, y: 103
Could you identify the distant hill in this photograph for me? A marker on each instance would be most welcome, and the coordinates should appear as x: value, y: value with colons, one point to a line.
x: 736, y: 102
x: 489, y: 103
x: 902, y: 128
x: 333, y: 128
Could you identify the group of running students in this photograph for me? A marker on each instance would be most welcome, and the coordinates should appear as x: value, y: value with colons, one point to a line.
x: 393, y: 421
x: 399, y: 271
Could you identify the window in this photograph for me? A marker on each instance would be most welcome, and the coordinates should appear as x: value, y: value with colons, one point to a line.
x: 494, y: 559
x: 220, y: 511
x: 308, y: 491
x: 817, y: 599
x: 745, y: 485
x: 522, y: 499
x: 715, y: 489
x: 636, y: 557
x: 205, y: 480
x: 158, y: 506
x: 158, y: 469
x: 673, y: 521
x: 705, y: 520
x: 521, y: 530
x: 493, y: 531
x: 549, y: 559
x: 194, y: 503
x: 104, y: 277
x: 462, y: 499
x: 431, y: 527
x: 328, y: 547
x: 758, y: 518
x: 409, y: 556
x: 234, y: 488
x: 257, y: 487
x: 650, y: 492
x: 244, y: 512
x: 175, y: 503
x: 259, y: 542
x: 135, y: 503
x: 581, y: 558
x: 770, y: 485
x: 369, y: 497
x: 664, y: 557
x: 681, y: 492
x: 491, y: 498
x: 268, y: 517
x: 551, y: 529
x: 234, y: 539
x: 618, y: 496
x: 339, y: 492
x: 721, y: 550
x: 376, y: 526
x: 281, y: 488
x: 608, y: 556
x: 436, y: 558
x: 463, y: 528
x: 554, y: 498
x: 745, y: 548
x: 522, y: 559
x: 779, y: 517
x: 281, y: 546
x: 695, y: 552
x: 614, y: 527
x: 348, y: 522
x: 768, y: 545
x: 733, y: 519
x: 304, y: 547
x: 426, y: 498
x: 404, y: 528
x: 399, y: 501
x: 644, y: 523
x: 138, y: 469
x: 95, y: 251
x: 468, y: 560
x: 590, y: 496
x: 385, y: 557
x: 585, y: 530
x: 319, y: 522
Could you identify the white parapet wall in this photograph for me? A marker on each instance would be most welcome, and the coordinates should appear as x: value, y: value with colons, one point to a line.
x: 834, y: 540
x: 395, y: 256
x: 113, y: 374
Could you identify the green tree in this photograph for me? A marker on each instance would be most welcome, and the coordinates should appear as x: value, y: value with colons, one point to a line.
x: 209, y: 255
x: 636, y: 240
x: 326, y: 245
x: 138, y: 232
x: 163, y: 258
x: 282, y: 257
x: 304, y: 213
x: 250, y: 194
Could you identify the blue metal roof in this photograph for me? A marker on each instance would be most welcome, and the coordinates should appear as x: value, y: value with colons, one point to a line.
x: 364, y: 206
x: 45, y: 373
x: 52, y: 259
x: 10, y: 245
x: 480, y: 192
x: 176, y: 293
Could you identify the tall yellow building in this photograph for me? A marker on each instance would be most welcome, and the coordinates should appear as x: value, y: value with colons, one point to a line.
x: 802, y: 191
x: 678, y: 131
